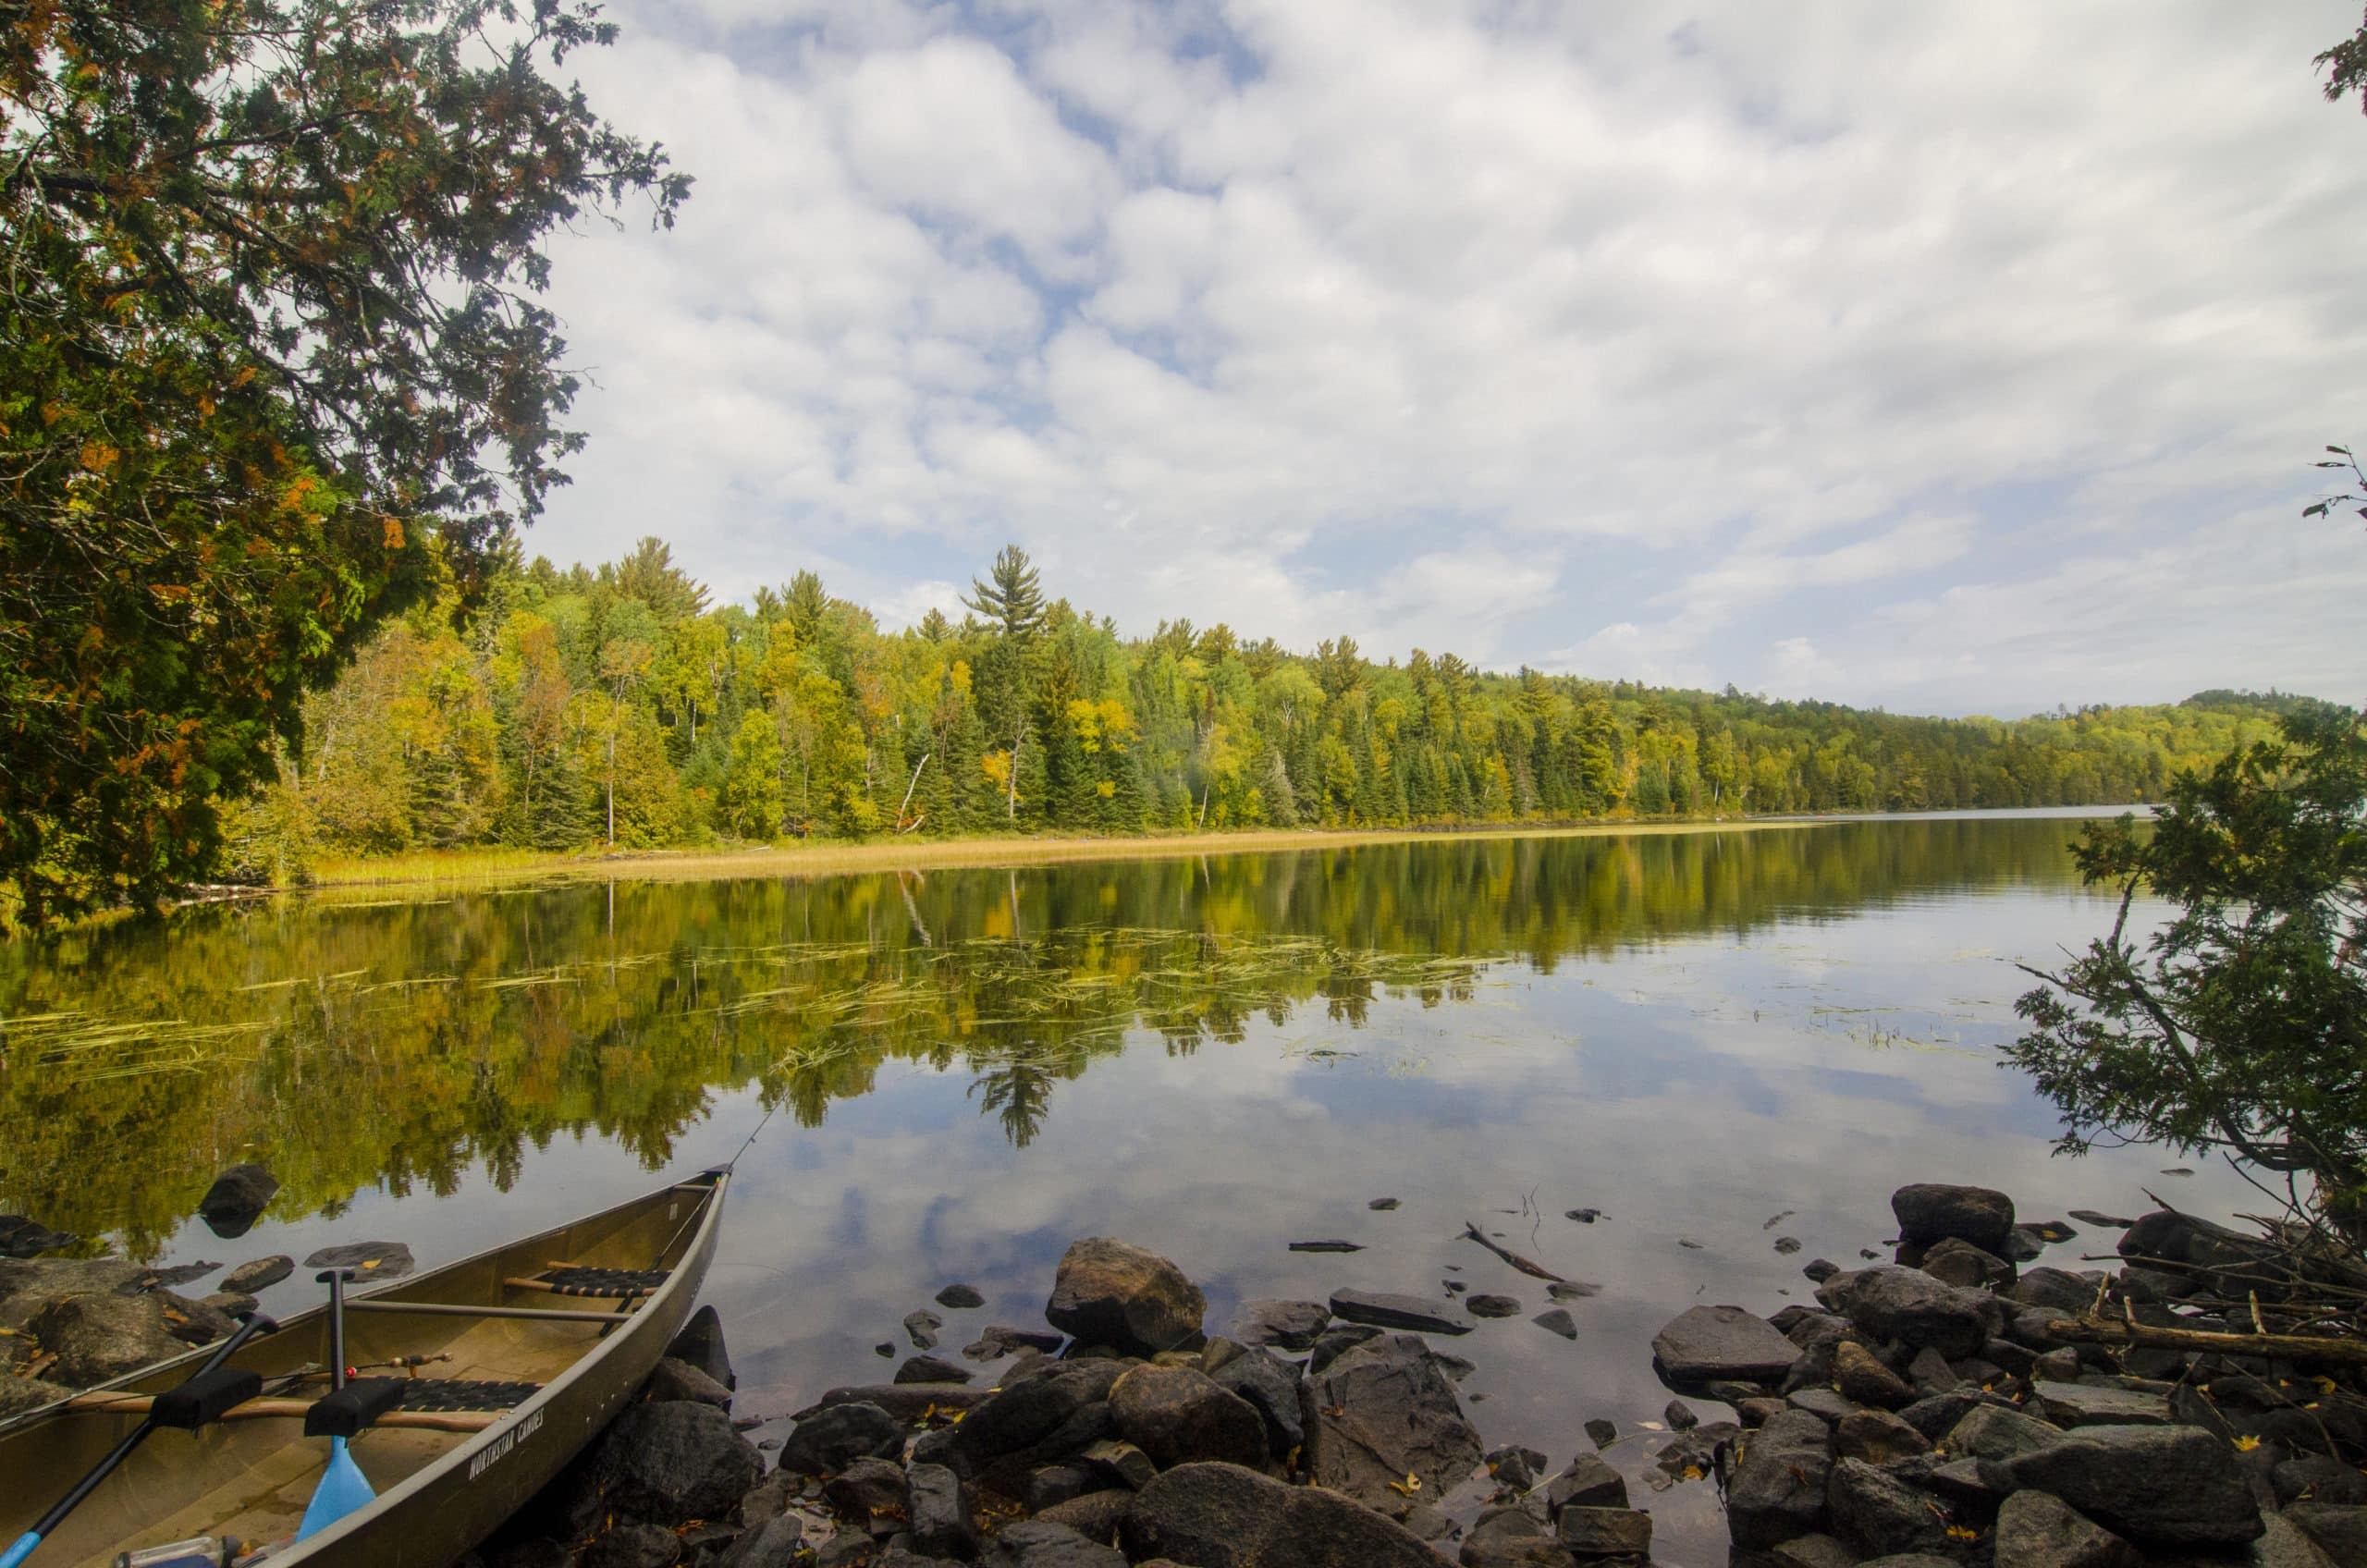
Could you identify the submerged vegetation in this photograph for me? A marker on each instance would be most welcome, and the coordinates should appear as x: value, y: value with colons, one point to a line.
x: 615, y: 708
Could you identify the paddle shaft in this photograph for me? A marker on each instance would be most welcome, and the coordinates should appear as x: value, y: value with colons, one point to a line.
x: 121, y: 1451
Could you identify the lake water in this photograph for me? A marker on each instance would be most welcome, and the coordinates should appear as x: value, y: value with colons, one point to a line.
x: 1211, y: 1057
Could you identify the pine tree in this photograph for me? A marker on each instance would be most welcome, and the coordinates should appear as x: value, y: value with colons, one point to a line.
x: 1013, y: 598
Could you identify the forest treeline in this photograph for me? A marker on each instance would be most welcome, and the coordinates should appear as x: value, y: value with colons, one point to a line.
x: 587, y: 707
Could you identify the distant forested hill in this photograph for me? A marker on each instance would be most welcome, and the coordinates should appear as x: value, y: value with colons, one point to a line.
x: 588, y: 706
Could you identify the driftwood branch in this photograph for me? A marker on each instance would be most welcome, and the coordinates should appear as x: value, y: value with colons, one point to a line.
x: 1533, y: 1269
x: 2289, y: 1347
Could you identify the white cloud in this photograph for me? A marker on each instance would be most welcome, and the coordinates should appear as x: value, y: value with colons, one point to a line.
x: 1651, y: 349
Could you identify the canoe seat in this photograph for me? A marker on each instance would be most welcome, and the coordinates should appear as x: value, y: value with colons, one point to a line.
x: 464, y: 1393
x: 566, y: 1280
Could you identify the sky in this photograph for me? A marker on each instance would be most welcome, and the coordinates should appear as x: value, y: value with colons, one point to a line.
x: 1949, y: 359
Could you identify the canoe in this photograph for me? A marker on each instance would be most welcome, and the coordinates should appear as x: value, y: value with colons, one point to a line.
x: 535, y: 1346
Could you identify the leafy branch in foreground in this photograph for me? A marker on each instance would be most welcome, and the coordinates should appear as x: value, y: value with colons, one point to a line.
x: 274, y: 366
x: 2242, y: 1022
x: 2342, y: 458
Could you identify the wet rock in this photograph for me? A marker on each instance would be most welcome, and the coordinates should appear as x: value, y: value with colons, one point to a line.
x: 1961, y: 1264
x: 1679, y: 1416
x: 1604, y: 1532
x: 2319, y: 1479
x: 700, y: 1343
x: 1907, y: 1305
x: 1584, y: 1215
x: 1271, y: 1389
x: 1177, y: 1416
x: 1383, y: 1412
x: 2066, y: 1293
x: 1557, y: 1320
x: 1120, y: 1463
x: 371, y: 1261
x: 931, y: 1369
x: 1048, y: 1414
x: 867, y: 1488
x: 2035, y: 1531
x: 675, y: 1380
x: 237, y: 1199
x: 1111, y: 1292
x: 1825, y: 1404
x: 1812, y: 1552
x: 1994, y: 1432
x: 1096, y: 1516
x: 1754, y: 1412
x: 1932, y: 1373
x: 1787, y: 1244
x: 1327, y: 1246
x: 999, y: 1339
x: 2094, y: 1216
x: 1936, y: 1416
x: 960, y: 1298
x: 775, y: 1542
x: 937, y: 1509
x: 1722, y: 1341
x: 2185, y: 1243
x: 2023, y: 1244
x: 1589, y: 1481
x: 1223, y: 1516
x: 1572, y: 1290
x: 179, y: 1274
x: 1820, y: 1269
x: 1492, y: 1306
x: 258, y: 1275
x: 20, y: 1237
x: 1293, y: 1325
x: 2085, y: 1404
x: 193, y: 1322
x: 921, y: 1329
x: 1040, y: 1543
x: 1877, y: 1437
x: 1382, y: 1203
x: 668, y: 1465
x: 1379, y: 1309
x: 1863, y: 1378
x: 1778, y: 1488
x: 1338, y: 1341
x: 633, y: 1546
x: 835, y: 1436
x: 1879, y: 1514
x: 1599, y: 1432
x: 2339, y: 1531
x: 2158, y: 1485
x: 1932, y: 1212
x: 2282, y: 1545
x: 905, y: 1401
x: 99, y: 1337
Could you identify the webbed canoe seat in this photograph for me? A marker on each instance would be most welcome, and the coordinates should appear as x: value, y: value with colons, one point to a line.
x: 464, y: 1393
x: 570, y: 1279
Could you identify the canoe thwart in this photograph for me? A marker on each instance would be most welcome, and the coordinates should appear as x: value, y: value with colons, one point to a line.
x: 461, y: 1309
x: 296, y: 1409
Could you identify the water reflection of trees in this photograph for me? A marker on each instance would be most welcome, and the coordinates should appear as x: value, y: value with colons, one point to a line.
x: 410, y: 1042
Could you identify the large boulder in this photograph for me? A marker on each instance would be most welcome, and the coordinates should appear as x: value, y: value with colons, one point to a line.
x: 1934, y: 1211
x: 1384, y: 1411
x: 834, y: 1437
x: 939, y: 1513
x: 1224, y: 1517
x: 99, y: 1337
x: 1052, y: 1414
x: 1177, y: 1416
x: 1907, y: 1305
x: 2184, y: 1243
x: 2035, y: 1531
x: 1879, y: 1514
x: 237, y: 1200
x: 1111, y: 1292
x: 1706, y: 1342
x: 671, y: 1463
x: 1778, y: 1489
x: 2158, y: 1485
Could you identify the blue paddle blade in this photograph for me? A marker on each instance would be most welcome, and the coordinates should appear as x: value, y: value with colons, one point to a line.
x: 343, y: 1488
x: 21, y: 1549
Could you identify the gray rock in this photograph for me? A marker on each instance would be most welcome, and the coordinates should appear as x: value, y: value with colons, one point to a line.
x: 19, y: 1395
x: 1932, y: 1212
x: 1813, y: 1551
x: 1557, y: 1320
x: 1877, y: 1437
x: 1042, y: 1543
x: 1863, y: 1378
x: 1111, y: 1292
x: 1000, y: 1340
x: 1036, y: 1415
x: 865, y: 1488
x: 775, y: 1542
x: 2339, y: 1531
x: 1177, y: 1416
x: 931, y: 1369
x: 1379, y: 1309
x: 259, y: 1275
x: 905, y: 1401
x: 2035, y: 1531
x: 237, y: 1199
x: 29, y: 1285
x: 1960, y: 1263
x: 836, y: 1436
x: 1515, y: 1467
x: 921, y: 1329
x: 2088, y: 1404
x: 1271, y: 1389
x: 1336, y: 1342
x: 1778, y: 1489
x: 1486, y: 1305
x: 1383, y: 1412
x: 2066, y: 1293
x: 1907, y: 1305
x: 1096, y: 1516
x: 700, y: 1343
x: 679, y: 1380
x: 1722, y: 1341
x: 633, y: 1546
x: 1604, y: 1532
x: 666, y: 1464
x: 1936, y: 1416
x: 939, y: 1510
x: 1825, y: 1404
x: 1589, y: 1481
x: 1932, y: 1374
x: 2096, y: 1217
x: 2320, y: 1479
x: 99, y: 1337
x: 1879, y: 1514
x: 960, y: 1298
x: 371, y: 1261
x: 1121, y: 1461
x: 2282, y: 1544
x: 1223, y: 1516
x: 1991, y: 1431
x: 2158, y: 1485
x: 2187, y: 1244
x: 20, y: 1237
x: 1293, y: 1325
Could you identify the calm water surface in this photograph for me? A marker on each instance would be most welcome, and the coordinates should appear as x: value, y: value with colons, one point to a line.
x: 1211, y: 1057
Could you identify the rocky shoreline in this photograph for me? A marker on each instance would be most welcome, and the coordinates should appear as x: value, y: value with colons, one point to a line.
x: 1949, y: 1406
